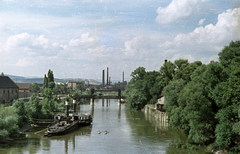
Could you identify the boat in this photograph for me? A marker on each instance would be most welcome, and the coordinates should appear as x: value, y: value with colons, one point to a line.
x: 67, y: 122
x: 122, y: 101
x: 64, y: 124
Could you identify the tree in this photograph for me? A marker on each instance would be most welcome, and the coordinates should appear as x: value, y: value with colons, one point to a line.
x: 21, y: 112
x: 8, y: 122
x: 136, y: 97
x: 185, y: 70
x: 45, y: 82
x: 49, y: 80
x: 198, y: 113
x: 33, y: 108
x: 49, y: 103
x: 2, y: 74
x: 51, y: 83
x: 230, y: 55
x: 227, y: 99
x: 168, y: 71
x: 36, y: 87
x: 173, y: 108
x: 137, y: 74
x: 152, y: 92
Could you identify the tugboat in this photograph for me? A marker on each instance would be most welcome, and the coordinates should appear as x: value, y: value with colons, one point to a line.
x: 67, y: 122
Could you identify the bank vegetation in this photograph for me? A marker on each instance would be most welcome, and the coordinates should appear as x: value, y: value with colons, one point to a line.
x: 203, y: 100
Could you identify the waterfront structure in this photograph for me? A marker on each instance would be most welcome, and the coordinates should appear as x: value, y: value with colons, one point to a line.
x: 8, y: 90
x: 159, y: 104
x: 25, y: 90
x: 73, y: 84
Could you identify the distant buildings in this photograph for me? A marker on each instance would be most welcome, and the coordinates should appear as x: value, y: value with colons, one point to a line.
x: 73, y: 84
x: 25, y: 90
x: 8, y: 90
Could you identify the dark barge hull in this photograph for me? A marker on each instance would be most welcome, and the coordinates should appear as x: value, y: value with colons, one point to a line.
x: 67, y: 129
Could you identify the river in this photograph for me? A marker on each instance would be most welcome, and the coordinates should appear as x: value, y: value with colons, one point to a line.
x: 128, y: 132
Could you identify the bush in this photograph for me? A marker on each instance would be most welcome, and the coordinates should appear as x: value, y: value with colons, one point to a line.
x: 8, y: 122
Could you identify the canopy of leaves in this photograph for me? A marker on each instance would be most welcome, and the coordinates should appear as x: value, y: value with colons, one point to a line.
x: 8, y: 122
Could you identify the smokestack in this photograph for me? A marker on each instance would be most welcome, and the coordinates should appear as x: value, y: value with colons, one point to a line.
x: 123, y: 77
x: 66, y: 107
x: 103, y: 77
x: 107, y: 76
x: 74, y: 105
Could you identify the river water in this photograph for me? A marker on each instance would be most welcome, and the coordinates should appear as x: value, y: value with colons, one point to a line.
x: 128, y: 132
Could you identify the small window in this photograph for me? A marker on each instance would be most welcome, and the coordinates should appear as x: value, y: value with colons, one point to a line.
x: 3, y: 91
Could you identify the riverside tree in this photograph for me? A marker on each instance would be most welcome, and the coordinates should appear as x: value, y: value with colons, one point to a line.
x: 49, y: 80
x: 8, y: 122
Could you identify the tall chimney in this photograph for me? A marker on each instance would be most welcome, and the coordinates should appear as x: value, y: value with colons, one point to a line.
x: 107, y: 76
x: 103, y: 78
x: 66, y: 107
x: 123, y: 77
x: 74, y: 105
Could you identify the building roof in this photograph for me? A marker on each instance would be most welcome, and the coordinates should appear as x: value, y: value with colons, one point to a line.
x: 24, y: 85
x: 160, y: 101
x: 6, y: 82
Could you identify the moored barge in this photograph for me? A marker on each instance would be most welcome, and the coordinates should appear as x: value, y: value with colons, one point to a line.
x: 67, y: 122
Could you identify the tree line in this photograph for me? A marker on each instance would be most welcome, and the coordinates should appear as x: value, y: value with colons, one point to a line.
x: 203, y: 100
x: 14, y: 117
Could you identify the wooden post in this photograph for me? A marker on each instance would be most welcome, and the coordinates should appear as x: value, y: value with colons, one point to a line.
x: 74, y: 105
x: 66, y: 107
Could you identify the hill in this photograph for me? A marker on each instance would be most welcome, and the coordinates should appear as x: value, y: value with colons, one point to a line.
x: 20, y: 79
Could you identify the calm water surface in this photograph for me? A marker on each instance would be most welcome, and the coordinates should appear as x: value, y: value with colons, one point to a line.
x: 128, y: 132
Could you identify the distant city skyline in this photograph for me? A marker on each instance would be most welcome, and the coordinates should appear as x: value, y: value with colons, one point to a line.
x: 78, y: 39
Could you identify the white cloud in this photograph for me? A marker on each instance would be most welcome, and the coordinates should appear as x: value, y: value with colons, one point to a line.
x: 206, y: 41
x: 178, y: 10
x: 201, y: 21
x: 28, y: 40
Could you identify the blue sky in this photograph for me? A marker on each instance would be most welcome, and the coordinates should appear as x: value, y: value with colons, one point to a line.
x: 80, y: 38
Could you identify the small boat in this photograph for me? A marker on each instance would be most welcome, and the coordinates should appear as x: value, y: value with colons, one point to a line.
x: 122, y: 101
x: 64, y: 124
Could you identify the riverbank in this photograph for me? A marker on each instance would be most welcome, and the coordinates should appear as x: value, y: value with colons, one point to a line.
x: 20, y: 131
x: 159, y: 115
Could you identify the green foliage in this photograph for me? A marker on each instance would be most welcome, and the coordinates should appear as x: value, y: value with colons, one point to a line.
x: 168, y: 70
x: 49, y: 103
x: 49, y: 80
x: 97, y: 87
x: 33, y: 107
x: 185, y: 69
x: 203, y: 100
x: 142, y: 89
x: 36, y: 87
x: 8, y: 122
x: 180, y: 144
x: 45, y: 82
x: 173, y: 108
x: 230, y: 55
x: 21, y: 112
x: 198, y: 113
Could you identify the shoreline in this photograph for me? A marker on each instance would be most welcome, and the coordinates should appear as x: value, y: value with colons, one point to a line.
x: 20, y: 131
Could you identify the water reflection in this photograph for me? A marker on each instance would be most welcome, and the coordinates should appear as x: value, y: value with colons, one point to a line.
x: 128, y: 132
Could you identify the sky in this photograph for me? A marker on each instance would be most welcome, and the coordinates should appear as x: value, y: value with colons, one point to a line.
x: 80, y: 38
